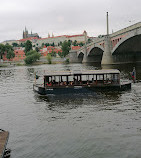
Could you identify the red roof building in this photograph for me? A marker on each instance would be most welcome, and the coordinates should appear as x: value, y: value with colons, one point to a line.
x: 75, y: 47
x: 49, y: 49
x: 19, y: 56
x: 30, y: 39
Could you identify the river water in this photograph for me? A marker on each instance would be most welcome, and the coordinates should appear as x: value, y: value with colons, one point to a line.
x: 102, y: 125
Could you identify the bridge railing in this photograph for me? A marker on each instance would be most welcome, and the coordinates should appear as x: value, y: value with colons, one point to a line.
x: 98, y: 40
x: 126, y: 30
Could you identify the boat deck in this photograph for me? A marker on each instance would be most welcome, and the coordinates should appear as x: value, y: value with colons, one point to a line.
x: 4, y: 135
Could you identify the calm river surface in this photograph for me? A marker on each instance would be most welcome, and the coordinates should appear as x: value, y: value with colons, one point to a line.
x: 99, y: 125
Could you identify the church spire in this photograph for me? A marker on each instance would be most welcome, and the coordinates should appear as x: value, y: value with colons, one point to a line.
x: 52, y: 34
x: 48, y: 35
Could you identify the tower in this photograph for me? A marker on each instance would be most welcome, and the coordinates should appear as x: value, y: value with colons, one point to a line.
x: 25, y: 33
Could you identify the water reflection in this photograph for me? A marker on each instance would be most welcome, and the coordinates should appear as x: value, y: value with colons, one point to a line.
x: 74, y: 101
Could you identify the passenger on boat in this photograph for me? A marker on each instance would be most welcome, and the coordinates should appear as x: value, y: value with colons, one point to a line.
x: 71, y: 83
x: 75, y: 81
x: 49, y: 84
x: 53, y: 82
x: 80, y: 82
x: 64, y: 83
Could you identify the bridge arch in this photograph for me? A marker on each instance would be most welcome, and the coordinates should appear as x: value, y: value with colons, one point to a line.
x: 135, y: 34
x: 128, y: 49
x: 80, y: 56
x: 96, y: 49
x: 95, y: 54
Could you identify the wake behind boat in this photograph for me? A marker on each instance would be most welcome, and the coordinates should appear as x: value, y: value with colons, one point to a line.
x: 71, y: 82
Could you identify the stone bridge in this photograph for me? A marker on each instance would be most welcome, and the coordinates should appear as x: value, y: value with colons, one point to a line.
x: 123, y: 46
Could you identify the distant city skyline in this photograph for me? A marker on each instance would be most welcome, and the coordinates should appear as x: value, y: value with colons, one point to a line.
x: 61, y: 18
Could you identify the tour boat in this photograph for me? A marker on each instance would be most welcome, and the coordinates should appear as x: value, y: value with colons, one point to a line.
x: 69, y: 82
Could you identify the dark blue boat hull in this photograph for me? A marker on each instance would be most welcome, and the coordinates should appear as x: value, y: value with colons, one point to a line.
x: 79, y: 89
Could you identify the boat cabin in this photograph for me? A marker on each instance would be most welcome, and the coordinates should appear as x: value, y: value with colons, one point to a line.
x: 90, y: 77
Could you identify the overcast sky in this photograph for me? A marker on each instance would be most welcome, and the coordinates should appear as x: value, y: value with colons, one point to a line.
x: 65, y: 16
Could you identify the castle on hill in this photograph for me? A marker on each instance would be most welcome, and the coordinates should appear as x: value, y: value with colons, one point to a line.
x: 27, y: 35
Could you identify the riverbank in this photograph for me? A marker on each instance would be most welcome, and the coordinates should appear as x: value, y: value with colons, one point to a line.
x: 42, y: 61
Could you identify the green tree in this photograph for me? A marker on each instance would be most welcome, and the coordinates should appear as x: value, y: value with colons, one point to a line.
x: 15, y: 44
x: 28, y: 46
x: 69, y: 43
x: 60, y: 43
x: 53, y: 53
x: 60, y: 54
x: 22, y: 45
x: 75, y: 43
x: 43, y: 44
x: 5, y: 48
x: 10, y: 54
x: 47, y: 44
x: 37, y: 49
x: 89, y: 40
x: 8, y: 47
x: 100, y: 36
x: 81, y: 44
x: 31, y: 57
x: 53, y: 44
x: 49, y: 58
x: 2, y: 50
x: 65, y: 48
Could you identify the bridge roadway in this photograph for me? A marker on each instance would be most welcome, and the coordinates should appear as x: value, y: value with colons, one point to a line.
x: 121, y: 46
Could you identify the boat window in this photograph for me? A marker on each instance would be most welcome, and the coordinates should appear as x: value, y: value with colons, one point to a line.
x: 49, y: 79
x: 115, y: 77
x: 99, y: 77
x: 94, y: 76
x: 57, y: 79
x: 64, y: 78
x: 70, y: 78
x: 109, y: 76
x: 105, y: 76
x: 84, y: 78
x: 91, y: 77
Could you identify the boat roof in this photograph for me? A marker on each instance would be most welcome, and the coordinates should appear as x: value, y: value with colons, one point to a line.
x: 82, y: 72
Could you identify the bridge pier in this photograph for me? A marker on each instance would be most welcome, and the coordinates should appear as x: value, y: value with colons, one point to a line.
x: 85, y: 58
x: 107, y: 58
x: 73, y: 57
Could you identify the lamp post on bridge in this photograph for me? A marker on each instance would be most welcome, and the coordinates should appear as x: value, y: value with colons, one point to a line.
x: 107, y: 58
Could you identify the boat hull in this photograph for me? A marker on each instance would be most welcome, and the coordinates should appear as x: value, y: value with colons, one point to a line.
x: 79, y: 89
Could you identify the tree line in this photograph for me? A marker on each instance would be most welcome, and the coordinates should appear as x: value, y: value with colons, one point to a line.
x: 33, y: 55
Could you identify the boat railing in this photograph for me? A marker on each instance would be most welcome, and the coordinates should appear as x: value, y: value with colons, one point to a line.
x: 79, y: 83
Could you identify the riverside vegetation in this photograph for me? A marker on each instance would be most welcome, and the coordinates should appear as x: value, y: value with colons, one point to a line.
x: 33, y: 55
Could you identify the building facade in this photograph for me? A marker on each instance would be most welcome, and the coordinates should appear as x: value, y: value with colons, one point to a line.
x: 19, y: 55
